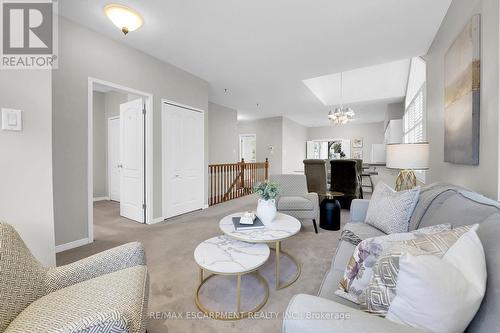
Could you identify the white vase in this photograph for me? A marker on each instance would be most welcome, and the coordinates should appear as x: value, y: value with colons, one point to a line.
x: 266, y: 210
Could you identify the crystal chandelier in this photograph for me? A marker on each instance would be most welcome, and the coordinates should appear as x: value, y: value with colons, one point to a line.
x: 341, y: 115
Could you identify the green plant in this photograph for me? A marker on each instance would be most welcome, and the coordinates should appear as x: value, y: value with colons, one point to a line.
x: 266, y: 190
x: 337, y: 148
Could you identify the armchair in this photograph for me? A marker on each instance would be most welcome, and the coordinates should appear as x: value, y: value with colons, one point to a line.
x: 315, y: 171
x: 346, y: 179
x: 106, y: 292
x: 295, y: 200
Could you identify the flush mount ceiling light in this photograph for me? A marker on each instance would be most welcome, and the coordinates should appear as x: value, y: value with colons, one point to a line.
x: 124, y: 17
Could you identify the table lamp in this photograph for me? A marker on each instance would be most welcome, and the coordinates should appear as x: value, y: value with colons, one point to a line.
x: 407, y: 157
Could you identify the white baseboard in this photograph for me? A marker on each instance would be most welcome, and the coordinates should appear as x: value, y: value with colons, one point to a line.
x: 205, y: 206
x: 72, y: 245
x: 101, y: 199
x: 158, y: 220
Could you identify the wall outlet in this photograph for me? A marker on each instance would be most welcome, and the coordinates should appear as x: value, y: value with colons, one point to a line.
x: 12, y: 120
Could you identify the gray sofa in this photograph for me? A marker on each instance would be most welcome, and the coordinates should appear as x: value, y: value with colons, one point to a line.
x: 438, y: 203
x: 105, y: 293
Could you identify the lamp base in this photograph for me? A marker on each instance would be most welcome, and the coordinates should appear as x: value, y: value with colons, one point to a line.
x: 406, y: 180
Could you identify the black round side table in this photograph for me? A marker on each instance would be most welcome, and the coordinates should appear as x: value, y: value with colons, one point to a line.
x: 330, y: 211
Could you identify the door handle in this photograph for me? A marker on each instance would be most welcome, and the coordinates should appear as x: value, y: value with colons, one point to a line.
x: 120, y: 166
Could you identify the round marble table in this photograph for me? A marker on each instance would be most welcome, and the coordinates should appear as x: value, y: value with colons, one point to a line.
x: 223, y: 255
x: 281, y: 228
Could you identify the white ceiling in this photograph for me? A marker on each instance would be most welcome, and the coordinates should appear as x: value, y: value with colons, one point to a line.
x: 262, y: 50
x: 366, y: 84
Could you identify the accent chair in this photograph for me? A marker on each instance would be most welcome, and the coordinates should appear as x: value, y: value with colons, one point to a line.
x: 346, y: 179
x: 316, y: 176
x: 294, y: 198
x: 107, y: 292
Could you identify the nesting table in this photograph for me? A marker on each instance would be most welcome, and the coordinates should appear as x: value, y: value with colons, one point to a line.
x: 223, y: 255
x: 282, y: 227
x: 240, y: 252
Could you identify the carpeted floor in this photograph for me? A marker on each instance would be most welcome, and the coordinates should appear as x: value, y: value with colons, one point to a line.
x: 175, y: 276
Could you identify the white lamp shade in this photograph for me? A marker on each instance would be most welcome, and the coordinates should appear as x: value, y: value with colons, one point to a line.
x: 411, y: 156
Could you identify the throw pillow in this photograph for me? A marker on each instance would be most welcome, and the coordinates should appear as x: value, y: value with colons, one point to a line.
x: 358, y: 272
x: 390, y: 211
x: 381, y: 290
x: 441, y: 295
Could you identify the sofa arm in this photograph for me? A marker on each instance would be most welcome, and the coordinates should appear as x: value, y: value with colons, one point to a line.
x: 112, y: 260
x: 359, y: 207
x: 313, y: 314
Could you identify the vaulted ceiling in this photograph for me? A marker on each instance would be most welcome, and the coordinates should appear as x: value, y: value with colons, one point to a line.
x: 262, y: 50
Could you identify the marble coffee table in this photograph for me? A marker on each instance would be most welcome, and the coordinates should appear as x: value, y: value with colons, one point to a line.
x: 281, y: 228
x: 223, y: 255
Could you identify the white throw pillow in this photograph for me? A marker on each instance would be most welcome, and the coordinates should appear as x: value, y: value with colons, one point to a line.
x: 390, y: 211
x: 441, y: 295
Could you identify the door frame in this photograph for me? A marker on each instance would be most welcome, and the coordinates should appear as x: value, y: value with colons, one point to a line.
x: 148, y: 152
x: 164, y: 152
x: 239, y: 144
x: 108, y: 169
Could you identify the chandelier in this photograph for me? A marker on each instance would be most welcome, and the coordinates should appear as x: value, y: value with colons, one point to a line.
x: 341, y: 115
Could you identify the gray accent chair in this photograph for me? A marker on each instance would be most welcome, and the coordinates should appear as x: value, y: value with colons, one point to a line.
x: 438, y: 203
x: 107, y: 292
x: 294, y: 198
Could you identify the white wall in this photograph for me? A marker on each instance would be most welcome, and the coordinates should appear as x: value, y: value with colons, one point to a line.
x: 222, y: 134
x: 269, y: 133
x: 484, y: 177
x: 371, y: 133
x: 26, y: 161
x: 294, y: 146
x: 82, y: 54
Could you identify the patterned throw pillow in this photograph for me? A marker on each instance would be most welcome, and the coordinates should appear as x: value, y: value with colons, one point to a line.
x: 358, y: 272
x: 381, y: 289
x: 390, y: 211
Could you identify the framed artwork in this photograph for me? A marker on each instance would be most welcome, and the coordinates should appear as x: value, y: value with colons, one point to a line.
x: 357, y: 154
x: 462, y: 65
x: 357, y: 143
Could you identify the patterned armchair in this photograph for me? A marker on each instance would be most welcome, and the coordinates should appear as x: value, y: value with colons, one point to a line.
x: 295, y: 200
x: 106, y: 292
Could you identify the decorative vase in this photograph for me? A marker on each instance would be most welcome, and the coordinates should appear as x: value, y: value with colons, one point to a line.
x: 266, y: 210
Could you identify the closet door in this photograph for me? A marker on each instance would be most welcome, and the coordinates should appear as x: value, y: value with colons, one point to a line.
x: 183, y: 160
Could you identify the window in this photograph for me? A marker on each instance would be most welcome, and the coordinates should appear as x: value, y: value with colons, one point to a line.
x: 414, y: 117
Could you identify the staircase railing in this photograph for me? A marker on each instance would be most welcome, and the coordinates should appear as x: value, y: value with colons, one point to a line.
x: 234, y: 180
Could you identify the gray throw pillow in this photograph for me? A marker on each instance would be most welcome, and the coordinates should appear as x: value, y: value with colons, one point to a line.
x: 390, y: 211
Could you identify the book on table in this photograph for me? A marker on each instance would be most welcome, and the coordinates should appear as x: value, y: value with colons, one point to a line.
x: 256, y: 225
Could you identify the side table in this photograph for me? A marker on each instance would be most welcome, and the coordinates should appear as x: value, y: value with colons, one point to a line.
x: 330, y: 211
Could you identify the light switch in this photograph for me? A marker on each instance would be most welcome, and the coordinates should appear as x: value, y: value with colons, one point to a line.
x: 12, y: 120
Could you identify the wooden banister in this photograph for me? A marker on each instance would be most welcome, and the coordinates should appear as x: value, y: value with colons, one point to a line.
x: 234, y: 180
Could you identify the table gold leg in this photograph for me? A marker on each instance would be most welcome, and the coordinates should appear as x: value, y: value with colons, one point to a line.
x: 277, y: 265
x: 201, y: 275
x: 238, y: 294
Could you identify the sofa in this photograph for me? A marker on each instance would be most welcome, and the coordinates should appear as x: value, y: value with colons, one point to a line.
x: 107, y: 292
x: 295, y: 200
x: 438, y: 204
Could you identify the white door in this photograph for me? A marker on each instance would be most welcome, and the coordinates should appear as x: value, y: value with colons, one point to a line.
x: 183, y: 160
x: 132, y: 160
x: 248, y: 148
x: 114, y: 158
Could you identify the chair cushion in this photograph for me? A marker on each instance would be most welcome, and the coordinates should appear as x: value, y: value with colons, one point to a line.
x: 295, y: 203
x: 122, y: 291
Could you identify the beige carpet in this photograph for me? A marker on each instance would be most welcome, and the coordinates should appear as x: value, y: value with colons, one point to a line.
x: 175, y: 275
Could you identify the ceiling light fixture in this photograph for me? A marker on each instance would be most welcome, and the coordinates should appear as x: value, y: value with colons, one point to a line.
x: 124, y: 17
x: 342, y: 115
